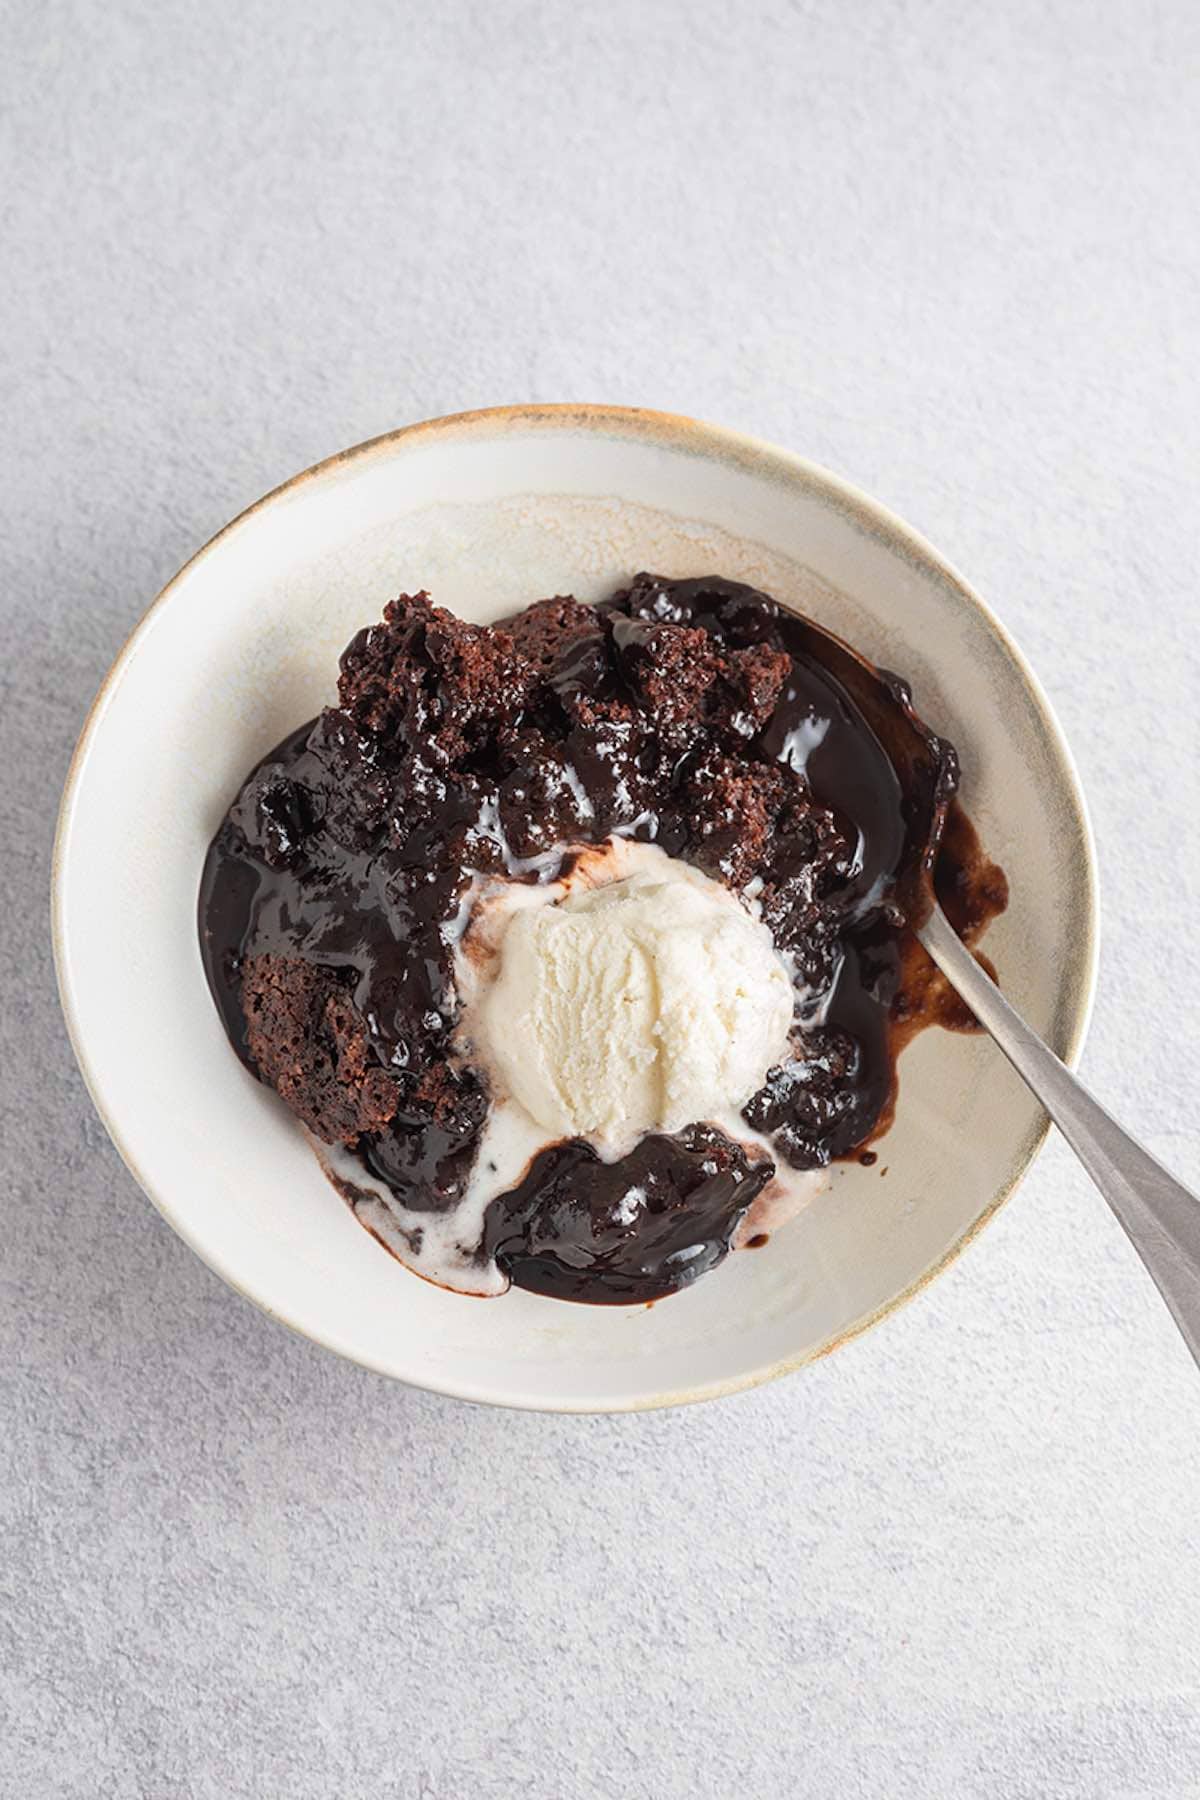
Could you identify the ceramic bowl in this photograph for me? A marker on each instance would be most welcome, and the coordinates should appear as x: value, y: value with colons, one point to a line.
x: 488, y: 511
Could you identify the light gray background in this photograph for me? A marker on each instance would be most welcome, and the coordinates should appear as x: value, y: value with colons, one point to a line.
x: 949, y: 250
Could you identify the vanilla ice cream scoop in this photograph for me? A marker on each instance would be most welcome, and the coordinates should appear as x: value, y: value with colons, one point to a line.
x: 646, y: 1003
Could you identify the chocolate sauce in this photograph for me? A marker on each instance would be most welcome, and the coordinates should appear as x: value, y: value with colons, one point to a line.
x: 695, y: 714
x: 577, y: 1228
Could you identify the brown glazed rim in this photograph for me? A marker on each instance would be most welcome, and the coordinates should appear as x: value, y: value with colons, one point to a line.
x: 693, y: 437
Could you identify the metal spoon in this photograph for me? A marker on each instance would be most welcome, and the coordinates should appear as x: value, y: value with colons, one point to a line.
x: 1159, y: 1215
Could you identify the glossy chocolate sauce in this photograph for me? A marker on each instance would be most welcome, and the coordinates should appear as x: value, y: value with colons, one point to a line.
x: 697, y: 715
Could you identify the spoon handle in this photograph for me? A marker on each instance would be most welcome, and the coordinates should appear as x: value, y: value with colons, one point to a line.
x: 1160, y: 1217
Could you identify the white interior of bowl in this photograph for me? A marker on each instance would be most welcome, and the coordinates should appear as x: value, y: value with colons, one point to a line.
x: 488, y: 512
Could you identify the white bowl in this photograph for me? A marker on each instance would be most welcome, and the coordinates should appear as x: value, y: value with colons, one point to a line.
x: 487, y: 511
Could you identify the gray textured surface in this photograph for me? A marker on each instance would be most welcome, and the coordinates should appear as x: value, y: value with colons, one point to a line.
x: 950, y: 250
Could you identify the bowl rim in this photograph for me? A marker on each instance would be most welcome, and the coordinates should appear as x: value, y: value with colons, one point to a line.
x: 703, y: 439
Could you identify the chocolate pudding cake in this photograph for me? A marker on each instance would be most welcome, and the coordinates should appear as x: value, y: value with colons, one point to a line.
x: 582, y: 943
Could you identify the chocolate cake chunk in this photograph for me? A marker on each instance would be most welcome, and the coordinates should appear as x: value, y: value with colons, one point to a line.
x: 687, y: 683
x: 425, y: 681
x: 545, y: 629
x: 307, y: 1039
